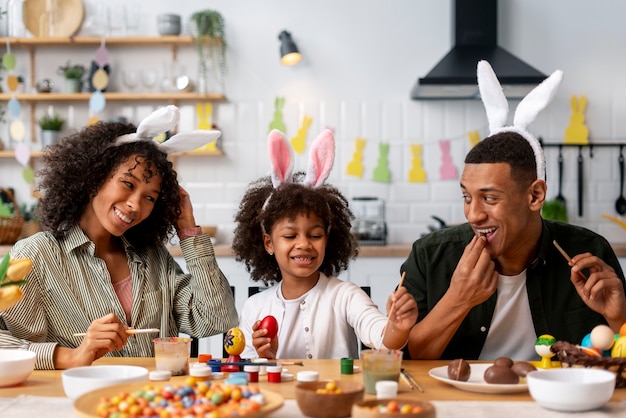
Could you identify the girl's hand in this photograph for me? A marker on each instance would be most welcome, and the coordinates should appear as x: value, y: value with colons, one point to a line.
x: 265, y: 347
x: 402, y: 309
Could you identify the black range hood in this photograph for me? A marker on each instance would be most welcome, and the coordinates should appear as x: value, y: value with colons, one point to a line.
x: 476, y: 38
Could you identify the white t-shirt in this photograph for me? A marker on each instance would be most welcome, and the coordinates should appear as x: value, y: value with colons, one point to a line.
x: 512, y: 333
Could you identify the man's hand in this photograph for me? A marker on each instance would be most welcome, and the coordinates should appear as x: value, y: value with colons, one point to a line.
x: 474, y: 280
x: 602, y: 291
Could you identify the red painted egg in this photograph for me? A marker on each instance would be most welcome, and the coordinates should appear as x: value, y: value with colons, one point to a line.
x: 271, y: 325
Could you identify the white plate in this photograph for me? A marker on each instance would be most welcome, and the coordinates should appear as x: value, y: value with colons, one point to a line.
x: 476, y: 382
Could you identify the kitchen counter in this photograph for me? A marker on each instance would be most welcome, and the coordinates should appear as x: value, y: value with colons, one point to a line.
x: 396, y: 250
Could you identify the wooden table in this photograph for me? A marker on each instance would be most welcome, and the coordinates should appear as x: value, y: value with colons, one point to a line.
x: 48, y: 382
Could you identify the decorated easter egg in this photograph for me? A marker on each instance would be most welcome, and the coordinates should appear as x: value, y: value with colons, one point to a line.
x: 586, y: 342
x: 591, y: 351
x: 234, y: 341
x: 619, y: 348
x: 622, y: 330
x: 602, y: 337
x: 543, y: 344
x: 271, y: 325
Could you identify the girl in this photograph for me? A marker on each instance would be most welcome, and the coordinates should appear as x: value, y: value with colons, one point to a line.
x: 295, y: 231
x: 110, y: 200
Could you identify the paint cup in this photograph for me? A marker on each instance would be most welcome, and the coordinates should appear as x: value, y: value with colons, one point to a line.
x: 172, y: 353
x: 347, y: 365
x: 380, y: 365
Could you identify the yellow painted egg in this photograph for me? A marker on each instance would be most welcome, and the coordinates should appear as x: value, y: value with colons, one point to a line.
x: 619, y: 348
x: 602, y: 337
x: 234, y: 341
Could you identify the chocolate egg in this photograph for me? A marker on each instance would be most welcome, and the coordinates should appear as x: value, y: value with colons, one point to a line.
x: 522, y: 368
x: 459, y: 369
x: 503, y: 361
x: 501, y: 375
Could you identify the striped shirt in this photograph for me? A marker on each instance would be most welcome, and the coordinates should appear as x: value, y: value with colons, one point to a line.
x: 68, y: 288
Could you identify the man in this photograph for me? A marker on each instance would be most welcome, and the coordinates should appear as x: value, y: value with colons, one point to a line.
x: 490, y: 287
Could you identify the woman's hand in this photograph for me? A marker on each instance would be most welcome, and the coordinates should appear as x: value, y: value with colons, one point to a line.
x: 186, y: 219
x: 265, y: 347
x: 104, y: 335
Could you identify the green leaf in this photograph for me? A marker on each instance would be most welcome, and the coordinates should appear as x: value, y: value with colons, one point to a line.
x: 4, y: 266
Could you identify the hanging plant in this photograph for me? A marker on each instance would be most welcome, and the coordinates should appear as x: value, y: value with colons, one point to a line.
x: 209, y: 37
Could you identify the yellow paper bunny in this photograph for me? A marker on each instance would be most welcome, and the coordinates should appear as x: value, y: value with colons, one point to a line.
x: 355, y: 167
x: 577, y: 132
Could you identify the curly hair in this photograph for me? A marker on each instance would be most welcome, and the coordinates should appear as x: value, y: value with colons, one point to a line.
x: 76, y: 167
x: 288, y: 201
x: 510, y: 148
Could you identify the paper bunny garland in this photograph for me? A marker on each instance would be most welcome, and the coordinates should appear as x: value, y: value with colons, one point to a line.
x: 321, y: 158
x: 497, y: 108
x: 166, y: 119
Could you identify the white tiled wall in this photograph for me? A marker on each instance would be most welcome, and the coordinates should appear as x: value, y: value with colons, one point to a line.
x: 356, y: 76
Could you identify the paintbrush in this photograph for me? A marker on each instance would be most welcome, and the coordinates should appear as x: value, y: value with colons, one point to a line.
x: 248, y: 363
x: 410, y: 377
x: 393, y: 304
x: 131, y: 331
x: 567, y: 257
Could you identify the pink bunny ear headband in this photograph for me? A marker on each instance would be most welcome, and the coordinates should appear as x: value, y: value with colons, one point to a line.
x: 527, y: 110
x: 163, y: 120
x: 321, y: 158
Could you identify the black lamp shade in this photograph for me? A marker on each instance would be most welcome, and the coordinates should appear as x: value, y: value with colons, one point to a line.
x: 289, y: 54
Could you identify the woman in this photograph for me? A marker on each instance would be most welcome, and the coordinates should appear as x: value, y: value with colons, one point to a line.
x: 110, y: 199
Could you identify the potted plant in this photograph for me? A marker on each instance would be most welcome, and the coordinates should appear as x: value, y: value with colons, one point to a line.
x: 209, y: 36
x: 73, y: 74
x: 51, y: 125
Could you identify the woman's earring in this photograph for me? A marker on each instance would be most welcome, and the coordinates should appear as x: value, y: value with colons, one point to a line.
x: 270, y: 253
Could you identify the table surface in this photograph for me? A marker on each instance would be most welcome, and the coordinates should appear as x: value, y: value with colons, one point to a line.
x: 48, y: 382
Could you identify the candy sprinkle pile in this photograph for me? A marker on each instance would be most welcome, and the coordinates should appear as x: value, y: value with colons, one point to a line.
x: 394, y: 407
x: 193, y: 399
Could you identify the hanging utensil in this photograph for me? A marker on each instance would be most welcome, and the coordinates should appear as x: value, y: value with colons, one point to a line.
x: 620, y: 203
x: 580, y: 181
x: 559, y: 197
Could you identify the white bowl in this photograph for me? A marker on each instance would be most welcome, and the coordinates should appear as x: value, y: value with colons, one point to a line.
x: 15, y: 366
x: 571, y: 389
x: 81, y: 380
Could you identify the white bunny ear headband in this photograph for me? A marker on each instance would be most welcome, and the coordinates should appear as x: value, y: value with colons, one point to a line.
x: 321, y: 158
x: 527, y: 110
x: 163, y: 120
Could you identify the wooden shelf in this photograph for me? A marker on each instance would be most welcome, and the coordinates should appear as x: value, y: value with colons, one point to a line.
x: 96, y: 40
x: 113, y: 96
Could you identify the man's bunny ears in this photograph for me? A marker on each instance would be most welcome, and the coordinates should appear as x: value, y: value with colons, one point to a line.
x: 321, y: 158
x: 163, y: 120
x: 527, y: 110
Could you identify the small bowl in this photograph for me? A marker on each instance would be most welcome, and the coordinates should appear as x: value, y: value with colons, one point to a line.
x: 363, y: 409
x: 168, y: 24
x: 328, y: 405
x: 571, y: 389
x: 80, y: 380
x: 15, y: 366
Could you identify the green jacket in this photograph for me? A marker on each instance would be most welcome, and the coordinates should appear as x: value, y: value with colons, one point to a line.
x: 555, y: 305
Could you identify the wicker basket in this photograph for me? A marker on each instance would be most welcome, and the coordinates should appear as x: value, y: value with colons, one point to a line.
x: 571, y: 355
x: 10, y: 226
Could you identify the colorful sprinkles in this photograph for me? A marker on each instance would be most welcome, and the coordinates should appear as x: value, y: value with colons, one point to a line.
x: 194, y: 398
